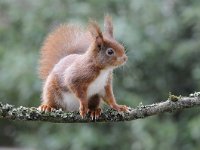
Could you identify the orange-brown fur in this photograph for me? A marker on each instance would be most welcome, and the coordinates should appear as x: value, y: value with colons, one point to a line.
x: 60, y: 43
x: 73, y: 59
x: 109, y: 97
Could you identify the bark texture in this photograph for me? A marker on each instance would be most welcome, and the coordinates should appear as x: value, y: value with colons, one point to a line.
x: 172, y: 104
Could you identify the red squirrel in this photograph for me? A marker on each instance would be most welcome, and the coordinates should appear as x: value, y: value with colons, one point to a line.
x: 77, y: 65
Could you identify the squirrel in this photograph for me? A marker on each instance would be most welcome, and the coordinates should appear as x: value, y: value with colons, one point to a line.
x: 76, y: 66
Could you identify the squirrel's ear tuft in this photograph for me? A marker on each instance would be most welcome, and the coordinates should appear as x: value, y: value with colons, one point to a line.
x: 96, y: 32
x: 108, y: 25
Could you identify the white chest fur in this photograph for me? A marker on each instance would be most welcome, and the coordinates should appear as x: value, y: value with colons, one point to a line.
x: 97, y: 86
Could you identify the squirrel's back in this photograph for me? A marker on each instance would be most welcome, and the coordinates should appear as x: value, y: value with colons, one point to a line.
x: 63, y: 41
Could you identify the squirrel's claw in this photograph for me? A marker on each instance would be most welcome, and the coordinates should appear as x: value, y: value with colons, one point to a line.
x: 94, y: 114
x: 122, y: 108
x: 83, y: 111
x: 45, y: 108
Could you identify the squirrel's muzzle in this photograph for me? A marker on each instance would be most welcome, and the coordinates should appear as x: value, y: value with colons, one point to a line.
x: 125, y: 58
x: 122, y: 60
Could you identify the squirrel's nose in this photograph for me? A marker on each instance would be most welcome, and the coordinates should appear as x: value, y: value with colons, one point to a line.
x: 125, y: 58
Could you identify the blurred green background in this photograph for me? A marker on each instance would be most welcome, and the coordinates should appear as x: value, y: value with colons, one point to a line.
x: 163, y: 43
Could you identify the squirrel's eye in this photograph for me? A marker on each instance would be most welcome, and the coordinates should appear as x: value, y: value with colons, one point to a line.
x: 109, y: 52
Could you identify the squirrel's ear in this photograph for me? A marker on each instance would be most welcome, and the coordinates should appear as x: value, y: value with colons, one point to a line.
x: 96, y: 32
x: 108, y: 25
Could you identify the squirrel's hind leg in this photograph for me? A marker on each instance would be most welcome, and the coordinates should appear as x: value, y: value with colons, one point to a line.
x: 51, y: 93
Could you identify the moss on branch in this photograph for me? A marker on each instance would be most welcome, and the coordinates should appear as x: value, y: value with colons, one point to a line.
x: 10, y: 112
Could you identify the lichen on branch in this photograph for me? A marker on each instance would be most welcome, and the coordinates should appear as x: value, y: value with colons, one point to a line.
x: 173, y: 103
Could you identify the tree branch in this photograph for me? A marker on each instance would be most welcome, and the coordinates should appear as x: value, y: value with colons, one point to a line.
x: 173, y: 103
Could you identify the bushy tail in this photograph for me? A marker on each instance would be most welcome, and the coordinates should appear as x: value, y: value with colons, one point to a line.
x: 65, y: 40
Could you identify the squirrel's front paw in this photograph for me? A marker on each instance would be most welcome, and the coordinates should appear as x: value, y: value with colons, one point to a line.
x: 83, y: 111
x: 45, y: 108
x: 123, y: 108
x: 95, y: 113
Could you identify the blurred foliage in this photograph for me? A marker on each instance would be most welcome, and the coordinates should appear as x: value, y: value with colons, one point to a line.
x: 163, y: 43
